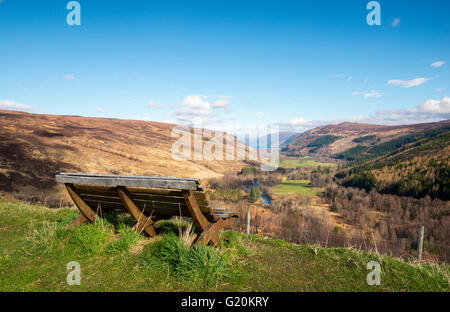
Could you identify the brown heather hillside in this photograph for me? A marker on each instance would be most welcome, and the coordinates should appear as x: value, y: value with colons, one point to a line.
x: 344, y: 133
x: 34, y: 147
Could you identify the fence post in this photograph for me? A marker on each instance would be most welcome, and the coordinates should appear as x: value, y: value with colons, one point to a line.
x: 248, y: 220
x: 420, y: 243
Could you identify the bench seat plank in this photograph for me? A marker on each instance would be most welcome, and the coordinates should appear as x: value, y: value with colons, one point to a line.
x: 117, y: 180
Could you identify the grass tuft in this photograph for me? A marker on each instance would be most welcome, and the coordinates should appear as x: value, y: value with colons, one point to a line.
x: 200, y: 265
x: 93, y: 238
x: 43, y: 238
x: 128, y: 238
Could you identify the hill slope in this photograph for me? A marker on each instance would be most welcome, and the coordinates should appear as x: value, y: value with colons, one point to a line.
x: 410, y: 160
x: 329, y: 140
x: 416, y: 164
x: 33, y: 148
x: 36, y: 246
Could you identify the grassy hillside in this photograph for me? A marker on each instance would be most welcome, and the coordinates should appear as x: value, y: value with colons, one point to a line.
x: 36, y: 245
x: 35, y: 147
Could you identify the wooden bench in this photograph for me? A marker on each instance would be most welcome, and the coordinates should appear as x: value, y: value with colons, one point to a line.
x: 146, y: 199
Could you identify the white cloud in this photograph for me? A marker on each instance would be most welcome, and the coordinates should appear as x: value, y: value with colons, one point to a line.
x: 427, y: 111
x: 260, y: 113
x: 408, y: 83
x: 69, y: 77
x: 434, y: 106
x: 11, y: 105
x: 197, y: 109
x: 152, y: 104
x: 437, y: 64
x: 100, y: 110
x: 371, y: 93
x: 395, y: 22
x: 221, y: 104
x: 299, y: 124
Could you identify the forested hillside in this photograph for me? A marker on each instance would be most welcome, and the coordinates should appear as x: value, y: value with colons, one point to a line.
x: 414, y: 165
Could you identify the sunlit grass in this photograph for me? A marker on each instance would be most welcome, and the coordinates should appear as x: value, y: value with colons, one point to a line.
x: 36, y: 244
x: 296, y: 186
x: 303, y: 162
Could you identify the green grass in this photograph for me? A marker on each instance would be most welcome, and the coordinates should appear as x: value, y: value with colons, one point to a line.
x: 296, y: 186
x: 36, y: 245
x: 303, y: 162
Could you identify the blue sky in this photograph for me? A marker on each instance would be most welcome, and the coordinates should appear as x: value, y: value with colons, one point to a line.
x: 228, y: 64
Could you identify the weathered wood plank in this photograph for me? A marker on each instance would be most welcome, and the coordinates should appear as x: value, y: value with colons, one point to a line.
x: 148, y: 202
x: 114, y: 181
x: 127, y: 176
x: 107, y: 196
x: 108, y: 190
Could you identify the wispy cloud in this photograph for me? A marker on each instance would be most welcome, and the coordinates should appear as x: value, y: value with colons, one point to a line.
x: 437, y: 64
x: 342, y: 76
x: 408, y: 83
x: 366, y: 95
x: 11, y: 105
x: 395, y: 22
x: 152, y: 104
x: 69, y: 77
x: 100, y: 110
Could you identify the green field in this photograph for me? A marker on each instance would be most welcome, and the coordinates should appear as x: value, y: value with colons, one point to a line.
x: 303, y: 162
x: 296, y: 186
x: 36, y: 245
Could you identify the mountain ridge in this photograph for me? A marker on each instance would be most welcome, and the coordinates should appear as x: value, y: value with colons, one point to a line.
x: 347, y: 132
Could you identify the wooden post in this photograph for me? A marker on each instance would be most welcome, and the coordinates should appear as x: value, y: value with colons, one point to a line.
x: 248, y: 220
x: 420, y: 243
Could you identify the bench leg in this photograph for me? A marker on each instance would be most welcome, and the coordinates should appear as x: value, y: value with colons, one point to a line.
x: 197, y: 216
x: 78, y: 220
x: 84, y: 208
x: 144, y: 223
x: 210, y: 234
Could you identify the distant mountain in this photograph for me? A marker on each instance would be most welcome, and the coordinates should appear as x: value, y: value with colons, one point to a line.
x: 330, y: 140
x: 284, y: 137
x: 34, y: 147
